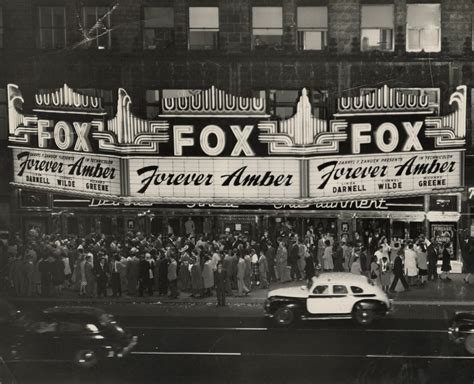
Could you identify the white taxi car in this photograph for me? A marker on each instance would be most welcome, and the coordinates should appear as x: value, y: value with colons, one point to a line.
x: 337, y: 295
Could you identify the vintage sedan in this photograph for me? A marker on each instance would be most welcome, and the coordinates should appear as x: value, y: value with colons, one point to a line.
x: 335, y: 295
x: 461, y: 330
x: 83, y: 335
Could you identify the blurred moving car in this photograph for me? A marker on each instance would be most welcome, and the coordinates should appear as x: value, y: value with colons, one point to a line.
x: 83, y: 335
x: 461, y: 330
x: 336, y: 295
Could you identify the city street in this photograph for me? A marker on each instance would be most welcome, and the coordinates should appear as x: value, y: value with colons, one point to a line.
x: 201, y: 343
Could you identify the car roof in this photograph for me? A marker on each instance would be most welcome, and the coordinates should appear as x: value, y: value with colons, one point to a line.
x: 340, y: 277
x: 74, y: 312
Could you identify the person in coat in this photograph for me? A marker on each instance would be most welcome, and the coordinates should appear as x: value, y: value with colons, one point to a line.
x: 302, y: 251
x: 101, y: 274
x: 115, y: 282
x: 375, y: 271
x: 228, y: 267
x: 207, y: 276
x: 248, y: 271
x: 432, y: 255
x: 293, y: 261
x: 338, y: 257
x: 385, y: 273
x: 263, y: 270
x: 309, y: 269
x: 398, y: 272
x: 29, y: 276
x: 241, y: 272
x: 132, y: 274
x: 328, y: 264
x: 422, y: 263
x: 220, y: 278
x: 173, y: 278
x: 196, y: 278
x: 281, y: 262
x: 184, y: 275
x: 411, y: 269
x: 446, y: 265
x: 270, y: 254
x: 163, y: 264
x: 89, y: 275
x: 146, y: 277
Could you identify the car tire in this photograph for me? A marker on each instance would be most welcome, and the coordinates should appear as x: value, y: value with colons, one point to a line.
x: 362, y: 316
x: 469, y: 344
x: 86, y: 358
x: 284, y: 316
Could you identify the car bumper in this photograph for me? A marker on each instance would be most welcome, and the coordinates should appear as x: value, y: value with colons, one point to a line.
x: 122, y: 352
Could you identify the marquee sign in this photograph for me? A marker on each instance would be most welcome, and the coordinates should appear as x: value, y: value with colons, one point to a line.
x: 215, y: 147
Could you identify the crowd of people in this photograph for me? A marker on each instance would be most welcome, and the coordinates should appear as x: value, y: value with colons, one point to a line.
x: 138, y: 264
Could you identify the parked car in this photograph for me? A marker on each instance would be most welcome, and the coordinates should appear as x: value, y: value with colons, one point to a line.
x: 461, y: 330
x: 335, y: 295
x: 83, y: 335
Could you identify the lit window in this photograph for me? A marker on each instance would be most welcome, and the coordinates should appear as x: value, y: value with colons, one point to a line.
x: 203, y: 28
x: 3, y: 114
x: 424, y: 27
x: 52, y: 27
x: 97, y: 27
x: 377, y: 27
x: 312, y: 28
x: 105, y: 94
x: 158, y: 27
x: 152, y: 103
x: 282, y: 103
x: 267, y: 27
x: 1, y: 27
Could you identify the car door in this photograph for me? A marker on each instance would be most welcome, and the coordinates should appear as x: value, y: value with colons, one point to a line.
x: 343, y: 299
x: 320, y: 300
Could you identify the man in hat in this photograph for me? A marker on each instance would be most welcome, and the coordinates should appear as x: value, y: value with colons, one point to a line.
x: 102, y: 274
x: 146, y: 275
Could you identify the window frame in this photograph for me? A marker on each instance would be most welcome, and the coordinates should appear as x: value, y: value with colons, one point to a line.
x: 215, y: 32
x: 52, y: 28
x: 380, y: 29
x: 98, y: 35
x: 408, y: 28
x: 300, y: 32
x: 157, y: 30
x: 254, y: 36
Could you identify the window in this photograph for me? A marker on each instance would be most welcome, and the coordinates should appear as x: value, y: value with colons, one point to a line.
x: 321, y: 290
x: 267, y: 27
x: 52, y: 27
x: 339, y: 290
x: 433, y: 95
x: 158, y: 27
x: 356, y: 290
x: 97, y: 25
x: 3, y: 114
x: 312, y: 28
x: 203, y: 28
x: 423, y: 27
x: 377, y: 27
x: 282, y: 103
x: 106, y: 95
x: 1, y: 27
x: 152, y: 98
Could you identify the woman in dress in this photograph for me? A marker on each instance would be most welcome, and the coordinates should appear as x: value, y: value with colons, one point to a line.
x: 422, y: 263
x: 328, y: 264
x: 385, y: 273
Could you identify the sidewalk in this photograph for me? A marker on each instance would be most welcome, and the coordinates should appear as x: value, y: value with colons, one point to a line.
x: 438, y: 292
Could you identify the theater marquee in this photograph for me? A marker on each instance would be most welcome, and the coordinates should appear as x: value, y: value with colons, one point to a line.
x: 214, y: 147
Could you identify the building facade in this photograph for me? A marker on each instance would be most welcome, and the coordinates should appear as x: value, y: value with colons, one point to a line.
x: 271, y: 50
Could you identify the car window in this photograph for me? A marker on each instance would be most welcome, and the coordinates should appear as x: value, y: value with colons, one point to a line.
x: 339, y: 290
x: 321, y: 290
x: 44, y: 327
x: 356, y: 290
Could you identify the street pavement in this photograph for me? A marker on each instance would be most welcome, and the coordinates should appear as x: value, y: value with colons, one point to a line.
x: 194, y: 341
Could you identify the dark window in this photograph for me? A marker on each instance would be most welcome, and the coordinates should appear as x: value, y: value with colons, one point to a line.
x: 1, y: 27
x: 52, y: 27
x: 312, y: 28
x: 321, y: 290
x: 203, y: 28
x: 3, y: 115
x: 97, y: 27
x: 267, y: 27
x: 158, y: 27
x: 356, y: 289
x: 339, y: 290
